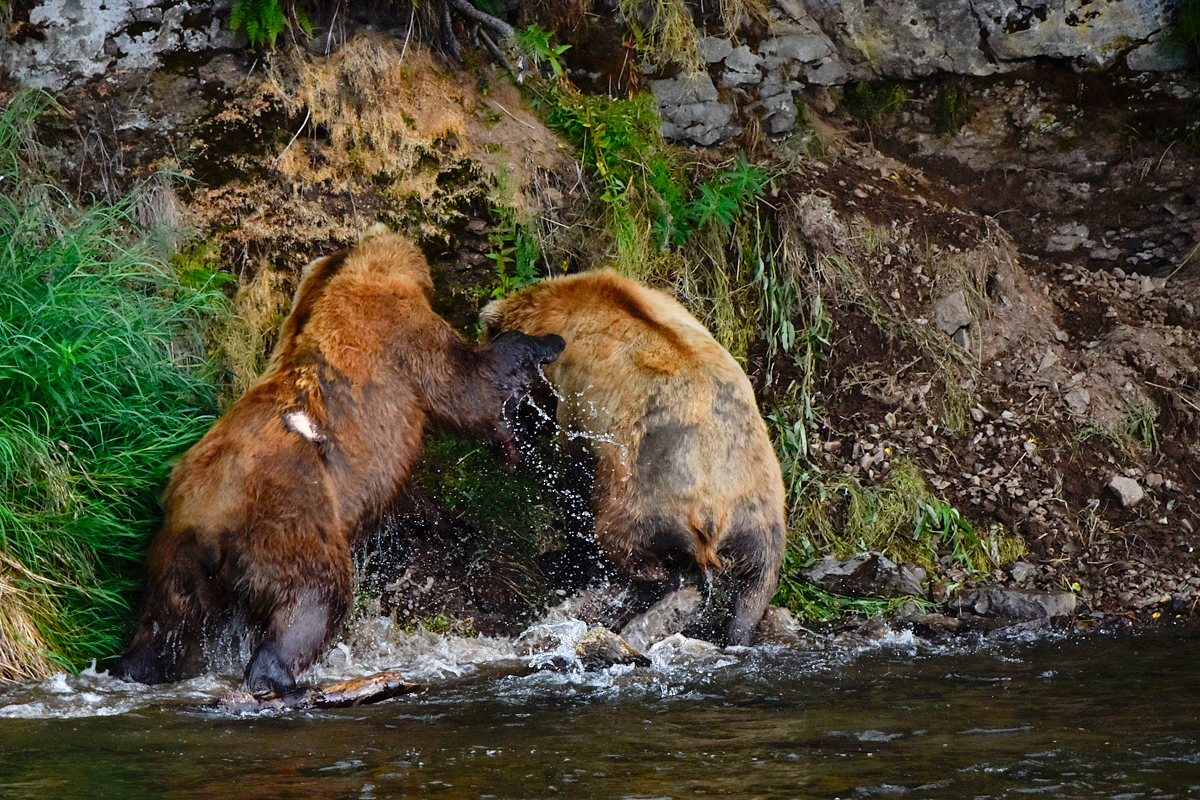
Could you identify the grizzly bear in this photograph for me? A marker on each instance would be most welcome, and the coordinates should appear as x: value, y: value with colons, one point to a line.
x: 263, y: 512
x: 685, y: 478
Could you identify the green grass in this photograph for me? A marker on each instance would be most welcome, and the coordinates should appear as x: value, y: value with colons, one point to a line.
x: 103, y: 381
x: 900, y: 518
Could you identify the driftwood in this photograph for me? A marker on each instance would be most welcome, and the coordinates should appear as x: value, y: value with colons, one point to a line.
x: 354, y: 692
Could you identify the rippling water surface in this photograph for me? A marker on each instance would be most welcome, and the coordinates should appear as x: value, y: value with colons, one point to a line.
x: 1098, y: 716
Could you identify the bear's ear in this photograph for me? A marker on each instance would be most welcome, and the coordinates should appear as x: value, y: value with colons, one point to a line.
x: 492, y: 318
x: 377, y: 231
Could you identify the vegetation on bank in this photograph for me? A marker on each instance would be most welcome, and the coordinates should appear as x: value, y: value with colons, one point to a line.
x: 103, y: 380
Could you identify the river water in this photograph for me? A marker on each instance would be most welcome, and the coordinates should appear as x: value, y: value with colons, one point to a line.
x: 1102, y: 715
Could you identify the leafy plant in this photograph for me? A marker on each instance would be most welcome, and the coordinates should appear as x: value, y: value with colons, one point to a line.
x: 810, y: 602
x: 515, y: 254
x: 264, y: 20
x: 950, y: 109
x: 535, y: 41
x: 875, y: 103
x: 901, y: 518
x: 722, y: 199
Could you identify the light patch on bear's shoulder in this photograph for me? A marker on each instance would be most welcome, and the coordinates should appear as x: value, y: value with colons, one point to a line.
x: 300, y: 422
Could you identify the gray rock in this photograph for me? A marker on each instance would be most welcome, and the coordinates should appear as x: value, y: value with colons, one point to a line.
x: 830, y: 72
x: 83, y: 39
x: 778, y: 626
x: 873, y: 574
x: 706, y: 137
x: 952, y: 313
x: 1021, y: 571
x: 1128, y: 491
x: 781, y: 114
x: 1016, y: 604
x: 804, y: 47
x: 600, y: 648
x: 775, y: 84
x: 742, y: 59
x: 1093, y: 35
x: 1078, y: 399
x: 1154, y: 57
x: 714, y: 49
x: 734, y: 78
x: 927, y: 624
x: 666, y: 617
x: 906, y: 39
x: 1067, y: 238
x: 693, y: 88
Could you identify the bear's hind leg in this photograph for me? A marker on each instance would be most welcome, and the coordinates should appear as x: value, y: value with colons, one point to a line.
x: 166, y: 646
x: 296, y: 634
x: 754, y: 556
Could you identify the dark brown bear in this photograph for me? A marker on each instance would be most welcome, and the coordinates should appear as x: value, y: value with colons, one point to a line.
x: 686, y: 479
x: 262, y: 514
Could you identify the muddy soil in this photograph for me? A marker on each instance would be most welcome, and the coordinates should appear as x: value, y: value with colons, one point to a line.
x: 1067, y: 207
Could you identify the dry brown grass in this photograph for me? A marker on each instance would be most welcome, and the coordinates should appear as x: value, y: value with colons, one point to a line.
x: 664, y: 32
x: 383, y: 106
x: 733, y: 12
x: 258, y: 312
x: 23, y: 648
x: 388, y: 112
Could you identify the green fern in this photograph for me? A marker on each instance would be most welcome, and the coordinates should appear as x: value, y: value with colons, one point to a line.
x: 264, y: 20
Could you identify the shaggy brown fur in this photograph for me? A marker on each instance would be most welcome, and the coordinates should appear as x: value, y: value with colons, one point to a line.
x: 686, y: 477
x: 262, y: 513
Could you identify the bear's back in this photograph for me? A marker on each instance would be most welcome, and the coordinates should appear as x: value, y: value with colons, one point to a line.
x: 358, y: 307
x: 670, y: 410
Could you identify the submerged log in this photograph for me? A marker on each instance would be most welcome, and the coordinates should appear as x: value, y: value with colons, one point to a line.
x: 354, y: 692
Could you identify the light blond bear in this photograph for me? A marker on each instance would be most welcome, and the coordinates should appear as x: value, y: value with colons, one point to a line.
x: 686, y: 479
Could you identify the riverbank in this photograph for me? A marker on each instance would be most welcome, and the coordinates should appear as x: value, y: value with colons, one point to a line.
x: 992, y: 329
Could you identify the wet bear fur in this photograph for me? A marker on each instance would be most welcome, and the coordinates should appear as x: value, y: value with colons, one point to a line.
x: 263, y: 512
x: 686, y: 481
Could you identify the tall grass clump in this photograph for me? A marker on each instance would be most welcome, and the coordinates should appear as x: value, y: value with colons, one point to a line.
x: 102, y: 383
x: 900, y: 518
x: 670, y: 219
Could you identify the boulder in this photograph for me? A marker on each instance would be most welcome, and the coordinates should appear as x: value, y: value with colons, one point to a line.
x: 1014, y: 604
x: 871, y: 575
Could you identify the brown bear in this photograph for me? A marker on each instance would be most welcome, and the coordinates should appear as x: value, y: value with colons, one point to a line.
x: 263, y: 512
x: 686, y: 479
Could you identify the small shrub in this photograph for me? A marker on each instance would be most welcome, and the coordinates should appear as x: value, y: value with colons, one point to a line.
x: 535, y: 41
x: 950, y: 109
x: 875, y: 104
